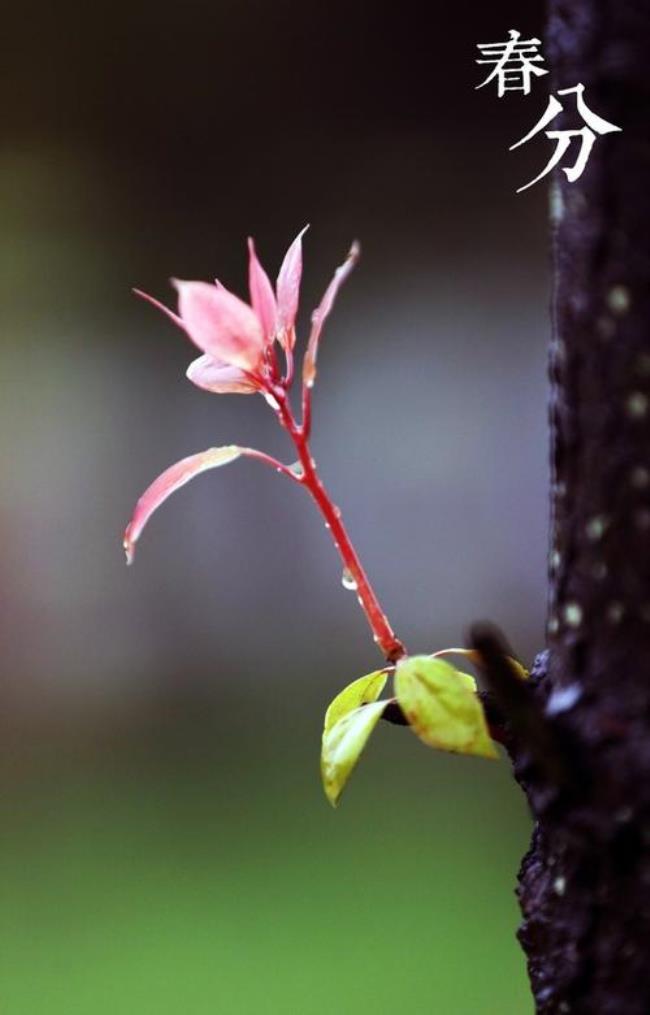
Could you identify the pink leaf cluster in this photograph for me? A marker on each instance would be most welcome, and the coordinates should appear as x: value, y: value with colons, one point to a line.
x: 239, y: 345
x: 236, y: 338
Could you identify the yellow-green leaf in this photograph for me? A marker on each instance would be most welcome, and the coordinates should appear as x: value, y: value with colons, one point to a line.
x: 349, y: 721
x: 441, y: 706
x: 342, y: 746
x: 467, y: 653
x: 359, y: 692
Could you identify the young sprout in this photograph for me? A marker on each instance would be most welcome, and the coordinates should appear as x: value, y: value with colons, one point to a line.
x: 248, y: 348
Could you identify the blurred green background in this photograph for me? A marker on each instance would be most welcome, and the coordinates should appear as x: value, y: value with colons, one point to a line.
x: 227, y: 886
x: 166, y: 847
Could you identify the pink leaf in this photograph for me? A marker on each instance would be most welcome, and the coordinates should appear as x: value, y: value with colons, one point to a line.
x: 169, y: 481
x: 262, y: 295
x: 321, y: 313
x: 179, y: 474
x: 221, y: 324
x: 288, y: 291
x: 211, y: 375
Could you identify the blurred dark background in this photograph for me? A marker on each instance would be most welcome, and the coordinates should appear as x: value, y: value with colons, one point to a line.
x: 166, y: 846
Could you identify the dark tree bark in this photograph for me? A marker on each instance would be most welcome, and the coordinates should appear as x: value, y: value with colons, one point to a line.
x: 580, y: 735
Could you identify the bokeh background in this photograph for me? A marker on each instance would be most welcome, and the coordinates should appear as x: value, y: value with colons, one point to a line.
x: 166, y: 847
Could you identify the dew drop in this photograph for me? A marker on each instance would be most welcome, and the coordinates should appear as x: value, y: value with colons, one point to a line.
x: 347, y: 580
x: 270, y: 400
x: 297, y: 470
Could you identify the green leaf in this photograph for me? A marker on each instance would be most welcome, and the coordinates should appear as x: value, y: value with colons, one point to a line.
x: 359, y: 692
x: 349, y: 721
x: 442, y: 707
x: 468, y: 680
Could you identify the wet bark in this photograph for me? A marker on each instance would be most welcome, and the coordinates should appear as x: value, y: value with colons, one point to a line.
x: 584, y: 886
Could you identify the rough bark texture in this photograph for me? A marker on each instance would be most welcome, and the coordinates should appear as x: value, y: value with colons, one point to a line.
x: 584, y: 886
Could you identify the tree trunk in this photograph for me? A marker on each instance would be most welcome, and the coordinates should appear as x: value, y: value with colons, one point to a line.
x: 582, y: 751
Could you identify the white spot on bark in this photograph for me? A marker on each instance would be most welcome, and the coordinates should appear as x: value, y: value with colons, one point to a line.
x: 555, y: 203
x: 640, y: 477
x: 636, y: 405
x: 596, y: 526
x: 563, y: 699
x: 619, y: 299
x: 573, y: 614
x: 559, y: 885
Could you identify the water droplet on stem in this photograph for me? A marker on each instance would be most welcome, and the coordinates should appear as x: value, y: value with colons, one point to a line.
x: 348, y: 580
x: 270, y: 400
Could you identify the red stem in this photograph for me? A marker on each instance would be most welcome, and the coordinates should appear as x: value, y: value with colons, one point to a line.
x: 383, y: 634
